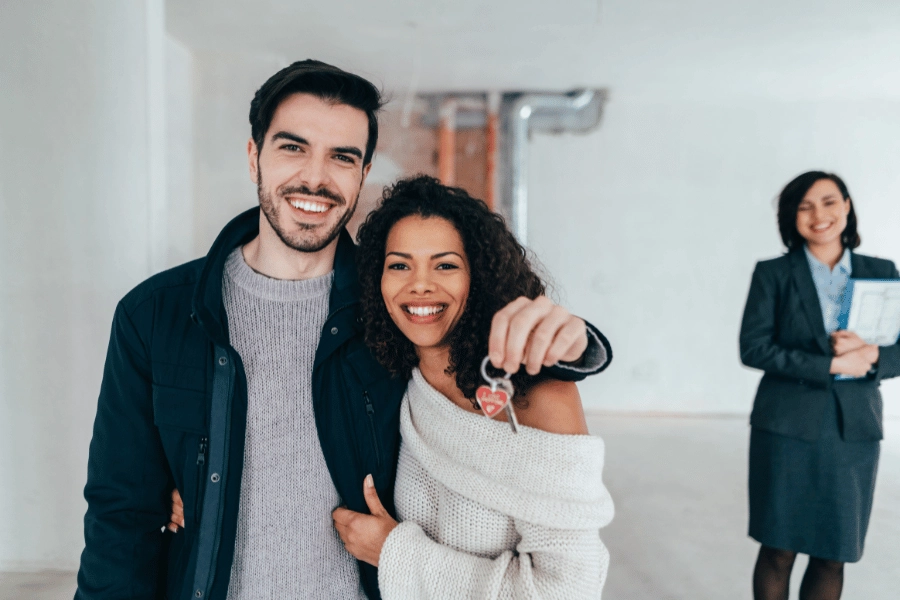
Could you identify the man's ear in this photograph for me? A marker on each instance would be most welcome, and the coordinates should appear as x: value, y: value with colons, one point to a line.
x: 365, y: 173
x: 253, y: 161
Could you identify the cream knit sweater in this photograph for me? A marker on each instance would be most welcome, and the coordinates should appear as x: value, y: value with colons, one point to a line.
x: 486, y: 513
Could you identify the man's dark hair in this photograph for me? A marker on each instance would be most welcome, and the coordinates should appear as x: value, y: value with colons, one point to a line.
x: 789, y: 201
x: 499, y: 271
x: 323, y: 81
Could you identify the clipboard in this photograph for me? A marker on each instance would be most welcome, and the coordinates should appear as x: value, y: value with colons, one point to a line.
x: 871, y: 309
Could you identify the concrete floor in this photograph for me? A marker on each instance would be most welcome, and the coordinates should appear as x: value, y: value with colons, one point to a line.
x: 679, y: 485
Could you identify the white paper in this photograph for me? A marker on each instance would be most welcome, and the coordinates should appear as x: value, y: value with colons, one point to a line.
x: 875, y: 311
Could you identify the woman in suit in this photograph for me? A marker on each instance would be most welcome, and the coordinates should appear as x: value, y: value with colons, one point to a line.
x: 814, y: 440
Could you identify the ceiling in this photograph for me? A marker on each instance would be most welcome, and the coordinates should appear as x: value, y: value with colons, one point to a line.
x: 785, y: 49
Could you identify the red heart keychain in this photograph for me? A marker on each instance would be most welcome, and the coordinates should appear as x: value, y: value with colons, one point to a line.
x: 496, y: 396
x: 491, y: 401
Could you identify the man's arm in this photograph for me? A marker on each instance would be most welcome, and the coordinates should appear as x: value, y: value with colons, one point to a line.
x: 541, y: 334
x: 128, y: 481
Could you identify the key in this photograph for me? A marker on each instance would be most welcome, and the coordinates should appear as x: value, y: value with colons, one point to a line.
x: 497, y: 396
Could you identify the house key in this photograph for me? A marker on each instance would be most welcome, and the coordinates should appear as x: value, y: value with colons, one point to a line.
x: 496, y: 396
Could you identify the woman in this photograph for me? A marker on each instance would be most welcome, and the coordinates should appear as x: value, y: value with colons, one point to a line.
x: 484, y: 512
x: 814, y: 440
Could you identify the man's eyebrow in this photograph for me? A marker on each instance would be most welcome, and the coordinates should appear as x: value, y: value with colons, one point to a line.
x: 284, y: 135
x: 349, y: 150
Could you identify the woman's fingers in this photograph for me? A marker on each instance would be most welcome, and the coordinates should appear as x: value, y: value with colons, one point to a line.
x: 500, y: 324
x: 535, y: 333
x: 372, y: 499
x: 545, y: 346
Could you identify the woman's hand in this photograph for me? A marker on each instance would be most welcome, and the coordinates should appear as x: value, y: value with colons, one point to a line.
x: 364, y: 535
x: 856, y: 363
x: 844, y: 341
x: 535, y: 333
x: 177, y: 517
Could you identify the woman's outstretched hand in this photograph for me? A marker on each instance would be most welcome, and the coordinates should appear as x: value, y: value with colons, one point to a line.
x: 364, y: 535
x: 535, y: 333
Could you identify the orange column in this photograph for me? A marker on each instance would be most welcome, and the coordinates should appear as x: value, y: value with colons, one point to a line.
x: 492, y: 134
x: 447, y: 143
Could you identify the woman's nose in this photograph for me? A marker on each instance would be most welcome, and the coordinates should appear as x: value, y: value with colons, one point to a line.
x: 422, y: 282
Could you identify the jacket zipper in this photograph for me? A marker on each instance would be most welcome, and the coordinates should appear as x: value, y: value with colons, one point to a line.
x: 201, y: 462
x: 370, y: 411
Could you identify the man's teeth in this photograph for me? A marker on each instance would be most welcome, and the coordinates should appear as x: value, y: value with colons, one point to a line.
x: 424, y: 311
x: 318, y: 207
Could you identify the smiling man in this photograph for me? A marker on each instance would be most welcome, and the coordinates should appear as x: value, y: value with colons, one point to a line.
x: 242, y: 379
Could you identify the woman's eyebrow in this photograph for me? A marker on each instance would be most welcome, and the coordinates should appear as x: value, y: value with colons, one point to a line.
x: 433, y: 256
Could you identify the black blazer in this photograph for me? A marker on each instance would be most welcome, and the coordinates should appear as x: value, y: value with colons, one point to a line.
x: 783, y: 334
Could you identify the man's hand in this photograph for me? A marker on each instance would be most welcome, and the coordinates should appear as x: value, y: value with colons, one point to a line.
x: 843, y: 341
x: 856, y: 363
x: 364, y: 535
x: 535, y: 333
x: 176, y: 520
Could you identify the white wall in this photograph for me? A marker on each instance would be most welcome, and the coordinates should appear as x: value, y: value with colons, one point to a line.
x: 75, y: 217
x: 224, y: 86
x: 652, y: 225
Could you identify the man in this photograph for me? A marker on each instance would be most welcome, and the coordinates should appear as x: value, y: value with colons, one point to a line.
x: 243, y: 381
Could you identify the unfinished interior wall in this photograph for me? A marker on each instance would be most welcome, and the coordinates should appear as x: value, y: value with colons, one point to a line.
x: 651, y: 226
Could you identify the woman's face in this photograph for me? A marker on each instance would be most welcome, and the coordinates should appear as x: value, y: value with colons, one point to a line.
x: 426, y: 278
x: 822, y: 214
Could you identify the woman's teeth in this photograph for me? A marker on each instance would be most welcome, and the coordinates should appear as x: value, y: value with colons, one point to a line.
x: 424, y: 311
x: 317, y: 207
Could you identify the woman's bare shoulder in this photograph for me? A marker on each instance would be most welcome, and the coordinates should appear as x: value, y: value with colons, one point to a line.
x: 554, y: 406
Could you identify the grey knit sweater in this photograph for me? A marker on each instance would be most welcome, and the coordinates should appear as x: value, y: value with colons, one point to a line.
x: 286, y: 546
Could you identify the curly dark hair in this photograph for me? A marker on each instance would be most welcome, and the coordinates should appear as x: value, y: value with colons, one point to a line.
x: 500, y: 273
x: 789, y: 201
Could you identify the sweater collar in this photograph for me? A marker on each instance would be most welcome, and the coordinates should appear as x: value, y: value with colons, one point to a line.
x: 208, y: 308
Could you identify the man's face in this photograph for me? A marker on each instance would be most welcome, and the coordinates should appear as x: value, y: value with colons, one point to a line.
x: 310, y: 170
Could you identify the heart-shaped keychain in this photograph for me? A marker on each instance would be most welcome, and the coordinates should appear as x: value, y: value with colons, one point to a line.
x: 496, y: 396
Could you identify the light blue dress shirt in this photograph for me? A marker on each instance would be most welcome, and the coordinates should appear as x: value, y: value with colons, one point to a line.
x: 830, y: 286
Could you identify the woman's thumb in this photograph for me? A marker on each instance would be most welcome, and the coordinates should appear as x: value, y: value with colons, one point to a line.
x: 372, y: 500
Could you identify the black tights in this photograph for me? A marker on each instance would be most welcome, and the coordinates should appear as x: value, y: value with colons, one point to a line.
x: 823, y: 579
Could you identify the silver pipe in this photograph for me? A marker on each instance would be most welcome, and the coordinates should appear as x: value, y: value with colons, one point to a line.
x: 521, y: 112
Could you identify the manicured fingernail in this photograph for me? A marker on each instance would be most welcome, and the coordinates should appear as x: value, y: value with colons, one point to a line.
x: 369, y: 482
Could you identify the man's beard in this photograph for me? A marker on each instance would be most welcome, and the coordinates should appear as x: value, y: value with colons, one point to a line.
x: 298, y: 242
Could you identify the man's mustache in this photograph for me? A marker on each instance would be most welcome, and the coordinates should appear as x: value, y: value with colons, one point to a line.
x: 321, y: 192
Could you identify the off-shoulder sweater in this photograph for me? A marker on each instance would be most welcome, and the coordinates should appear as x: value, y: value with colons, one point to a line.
x: 487, y: 513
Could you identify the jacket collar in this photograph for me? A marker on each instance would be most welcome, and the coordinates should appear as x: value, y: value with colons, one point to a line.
x: 208, y: 307
x: 809, y: 299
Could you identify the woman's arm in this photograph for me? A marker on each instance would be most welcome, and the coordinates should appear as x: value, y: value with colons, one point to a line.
x: 757, y: 338
x: 553, y: 406
x: 547, y: 563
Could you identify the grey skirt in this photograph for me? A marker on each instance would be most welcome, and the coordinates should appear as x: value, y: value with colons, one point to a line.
x: 813, y: 498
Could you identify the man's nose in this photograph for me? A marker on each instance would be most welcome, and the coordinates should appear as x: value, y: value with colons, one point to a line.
x: 313, y: 173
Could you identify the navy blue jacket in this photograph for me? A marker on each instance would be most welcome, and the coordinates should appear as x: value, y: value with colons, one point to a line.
x: 172, y: 414
x: 783, y: 334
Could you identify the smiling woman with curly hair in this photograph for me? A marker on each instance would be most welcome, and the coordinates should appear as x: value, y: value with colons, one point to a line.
x: 499, y: 273
x: 485, y: 512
